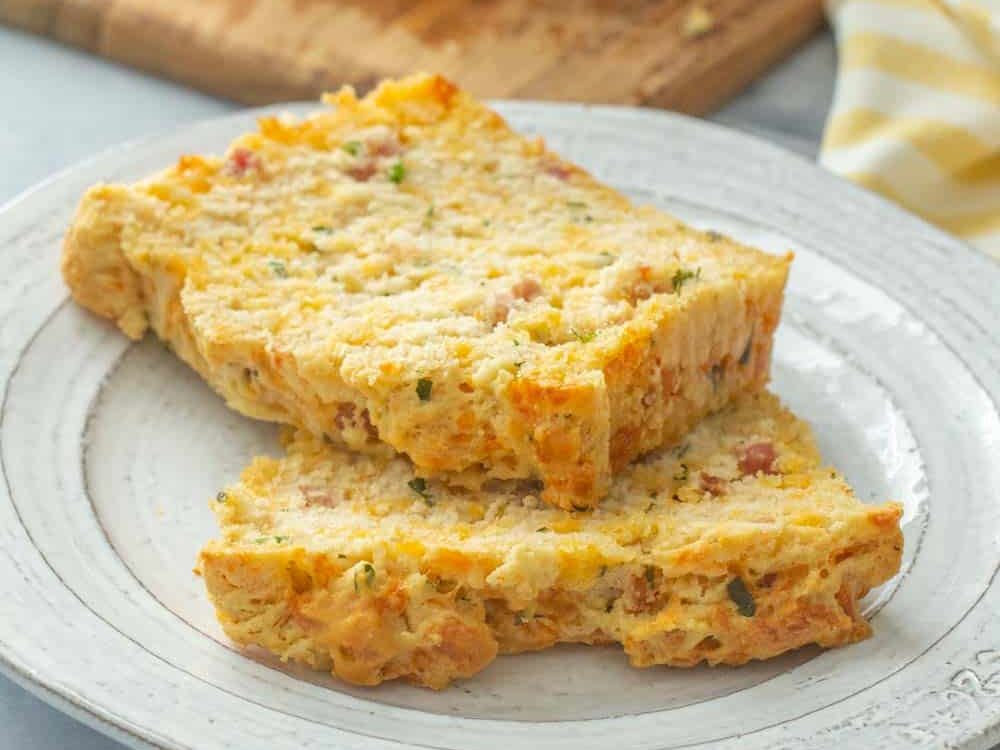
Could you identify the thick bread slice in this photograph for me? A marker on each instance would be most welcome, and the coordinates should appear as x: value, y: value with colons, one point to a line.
x: 406, y: 271
x: 735, y: 545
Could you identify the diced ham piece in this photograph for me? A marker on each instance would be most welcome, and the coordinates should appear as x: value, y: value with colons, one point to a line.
x: 345, y: 418
x: 641, y: 595
x: 241, y: 161
x: 501, y: 305
x: 345, y: 415
x: 526, y: 289
x: 712, y: 484
x: 366, y: 422
x: 317, y: 496
x: 758, y: 457
x: 383, y: 144
x: 362, y: 171
x: 558, y: 170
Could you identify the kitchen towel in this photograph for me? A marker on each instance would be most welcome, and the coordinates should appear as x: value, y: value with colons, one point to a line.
x: 916, y: 112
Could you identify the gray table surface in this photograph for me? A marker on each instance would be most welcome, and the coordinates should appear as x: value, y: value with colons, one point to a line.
x: 60, y: 106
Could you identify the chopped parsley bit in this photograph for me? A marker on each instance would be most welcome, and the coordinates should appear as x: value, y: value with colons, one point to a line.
x: 281, y: 539
x: 716, y: 374
x: 745, y: 356
x: 352, y: 147
x: 583, y: 338
x: 397, y: 172
x: 576, y: 204
x: 429, y: 215
x: 424, y: 389
x: 341, y: 556
x: 542, y: 529
x: 486, y: 222
x: 682, y: 276
x: 650, y: 574
x: 222, y: 497
x: 278, y: 268
x: 682, y: 475
x: 322, y: 229
x: 741, y: 597
x: 260, y: 540
x: 607, y: 258
x: 713, y: 236
x: 681, y: 450
x: 419, y: 485
x: 368, y: 571
x: 516, y: 342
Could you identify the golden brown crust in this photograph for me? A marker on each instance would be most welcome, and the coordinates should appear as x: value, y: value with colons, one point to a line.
x: 358, y: 565
x: 94, y: 265
x: 565, y: 331
x: 391, y: 627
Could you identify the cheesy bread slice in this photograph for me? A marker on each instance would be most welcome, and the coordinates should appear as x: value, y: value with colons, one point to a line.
x: 734, y: 545
x: 405, y: 273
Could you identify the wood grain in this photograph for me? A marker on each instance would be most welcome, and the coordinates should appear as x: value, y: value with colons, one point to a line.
x: 261, y: 51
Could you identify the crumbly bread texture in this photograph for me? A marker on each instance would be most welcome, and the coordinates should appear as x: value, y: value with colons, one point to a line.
x: 734, y: 545
x: 404, y: 270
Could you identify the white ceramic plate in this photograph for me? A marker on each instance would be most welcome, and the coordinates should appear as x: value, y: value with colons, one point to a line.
x: 889, y: 346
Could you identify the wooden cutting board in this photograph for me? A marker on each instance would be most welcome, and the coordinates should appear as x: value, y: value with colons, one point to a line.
x: 688, y: 55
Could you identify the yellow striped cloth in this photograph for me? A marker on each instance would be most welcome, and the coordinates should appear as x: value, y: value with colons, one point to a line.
x: 916, y: 113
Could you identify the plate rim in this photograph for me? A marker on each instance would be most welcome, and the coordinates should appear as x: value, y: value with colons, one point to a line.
x: 103, y: 720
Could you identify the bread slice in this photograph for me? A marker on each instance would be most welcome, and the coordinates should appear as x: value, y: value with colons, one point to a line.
x: 734, y: 545
x: 406, y: 271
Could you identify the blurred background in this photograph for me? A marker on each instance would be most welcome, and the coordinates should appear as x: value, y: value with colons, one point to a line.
x: 916, y: 114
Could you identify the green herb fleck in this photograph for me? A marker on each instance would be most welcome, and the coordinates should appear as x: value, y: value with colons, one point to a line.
x: 419, y: 485
x: 607, y: 258
x: 260, y: 540
x: 222, y: 497
x: 424, y: 389
x: 322, y: 229
x: 682, y: 475
x: 341, y: 556
x: 367, y: 574
x: 716, y: 374
x: 745, y: 356
x: 681, y: 450
x: 682, y: 276
x: 397, y: 172
x: 352, y: 147
x: 741, y: 597
x: 429, y: 215
x: 542, y: 529
x: 576, y: 204
x: 585, y: 337
x: 278, y: 268
x: 281, y: 539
